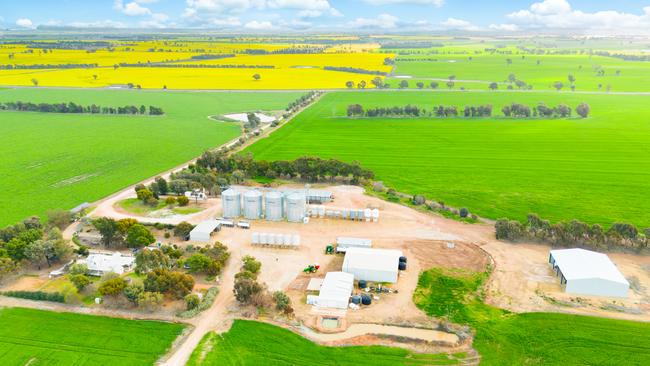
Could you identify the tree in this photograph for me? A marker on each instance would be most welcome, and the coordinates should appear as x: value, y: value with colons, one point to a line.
x: 198, y: 263
x: 7, y: 266
x: 148, y: 260
x: 245, y: 289
x: 183, y: 229
x: 78, y: 269
x: 558, y: 85
x: 583, y: 110
x: 139, y: 236
x: 349, y: 84
x: 133, y: 291
x: 107, y: 228
x: 59, y: 218
x: 95, y: 76
x: 35, y: 82
x: 512, y: 78
x: 251, y: 264
x: 238, y: 176
x: 434, y: 85
x: 112, y: 287
x: 35, y: 252
x: 165, y: 281
x: 464, y: 212
x: 183, y: 200
x: 419, y: 199
x: 146, y: 196
x: 420, y: 85
x: 150, y: 301
x: 123, y: 225
x: 256, y: 77
x: 450, y: 84
x: 494, y: 86
x: 571, y: 78
x: 377, y: 82
x: 362, y: 84
x: 282, y: 302
x: 403, y: 84
x: 79, y: 281
x: 161, y: 186
x: 192, y: 301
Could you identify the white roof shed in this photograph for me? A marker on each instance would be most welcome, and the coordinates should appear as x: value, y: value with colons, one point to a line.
x: 377, y: 265
x: 588, y: 273
x: 345, y: 242
x: 202, y: 231
x: 336, y: 290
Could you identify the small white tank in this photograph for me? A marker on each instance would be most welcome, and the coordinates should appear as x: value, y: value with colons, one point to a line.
x: 375, y: 215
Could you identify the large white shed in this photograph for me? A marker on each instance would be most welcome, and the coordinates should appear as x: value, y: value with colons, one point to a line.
x: 203, y: 231
x: 336, y: 290
x: 377, y: 265
x: 588, y: 273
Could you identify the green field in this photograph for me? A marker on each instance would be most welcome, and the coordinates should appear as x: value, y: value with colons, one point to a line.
x: 253, y: 343
x: 35, y: 337
x: 504, y: 338
x: 52, y: 160
x: 485, y: 68
x: 595, y: 169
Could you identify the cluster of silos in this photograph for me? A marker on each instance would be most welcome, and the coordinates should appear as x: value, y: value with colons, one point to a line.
x: 271, y: 206
x: 278, y: 240
x: 345, y: 214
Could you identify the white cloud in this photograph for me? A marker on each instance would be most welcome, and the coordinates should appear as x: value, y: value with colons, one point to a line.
x: 226, y: 22
x: 437, y: 3
x: 133, y: 8
x: 24, y: 23
x: 459, y: 24
x: 558, y: 14
x: 98, y: 24
x: 259, y: 25
x: 504, y: 27
x: 382, y: 21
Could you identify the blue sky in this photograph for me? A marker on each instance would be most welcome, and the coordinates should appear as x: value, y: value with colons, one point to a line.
x: 472, y: 16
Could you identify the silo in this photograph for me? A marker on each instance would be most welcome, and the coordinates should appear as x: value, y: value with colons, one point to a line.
x: 274, y: 206
x: 231, y: 201
x: 296, y: 207
x: 375, y: 215
x: 253, y: 204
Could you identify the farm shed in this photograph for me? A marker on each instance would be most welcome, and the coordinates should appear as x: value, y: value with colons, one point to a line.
x: 336, y: 290
x: 203, y: 230
x: 318, y: 196
x: 588, y: 273
x: 343, y: 243
x: 102, y: 263
x: 377, y: 265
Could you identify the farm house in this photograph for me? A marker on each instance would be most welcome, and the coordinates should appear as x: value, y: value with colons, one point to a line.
x: 101, y: 263
x: 335, y: 290
x: 588, y: 273
x: 377, y: 265
x: 203, y: 231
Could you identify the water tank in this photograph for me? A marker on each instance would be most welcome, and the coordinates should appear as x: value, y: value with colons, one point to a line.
x: 367, y: 213
x: 375, y: 215
x: 402, y: 259
x: 366, y: 299
x: 363, y: 284
x: 253, y: 204
x: 295, y: 207
x: 274, y: 206
x: 356, y: 299
x: 402, y: 266
x: 345, y: 214
x: 231, y: 201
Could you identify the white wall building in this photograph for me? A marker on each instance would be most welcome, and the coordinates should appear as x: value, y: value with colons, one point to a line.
x: 343, y: 243
x: 588, y: 273
x: 202, y: 232
x: 335, y: 291
x: 377, y: 265
x: 101, y: 263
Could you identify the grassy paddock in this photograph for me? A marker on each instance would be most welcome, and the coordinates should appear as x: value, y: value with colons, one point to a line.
x: 595, y: 169
x: 504, y: 338
x: 55, y: 160
x: 254, y: 343
x: 38, y: 337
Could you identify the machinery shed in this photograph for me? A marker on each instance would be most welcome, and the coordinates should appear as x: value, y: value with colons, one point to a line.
x: 343, y: 243
x: 377, y: 265
x: 588, y: 273
x: 335, y: 290
x: 318, y: 196
x: 202, y: 232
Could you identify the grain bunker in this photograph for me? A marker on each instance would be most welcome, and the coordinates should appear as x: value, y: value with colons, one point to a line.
x: 253, y: 204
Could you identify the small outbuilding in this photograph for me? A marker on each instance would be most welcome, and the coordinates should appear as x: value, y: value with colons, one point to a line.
x: 335, y: 291
x: 318, y: 196
x: 343, y: 243
x: 202, y: 232
x: 585, y: 272
x: 376, y: 265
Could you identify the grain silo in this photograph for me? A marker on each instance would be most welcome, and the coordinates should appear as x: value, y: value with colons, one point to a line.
x: 296, y: 205
x: 231, y: 201
x: 253, y: 204
x: 274, y: 206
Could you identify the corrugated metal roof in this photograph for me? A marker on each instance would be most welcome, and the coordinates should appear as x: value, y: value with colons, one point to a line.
x: 372, y: 259
x: 337, y: 286
x: 206, y: 227
x: 579, y: 264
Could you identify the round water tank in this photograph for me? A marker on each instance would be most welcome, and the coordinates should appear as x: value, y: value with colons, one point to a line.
x: 366, y: 299
x: 274, y: 206
x: 367, y: 213
x: 402, y: 266
x: 356, y: 299
x: 402, y: 259
x: 296, y: 206
x: 231, y: 201
x: 253, y: 204
x: 363, y: 284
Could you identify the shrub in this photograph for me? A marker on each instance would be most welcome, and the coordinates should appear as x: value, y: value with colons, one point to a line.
x: 36, y: 295
x: 112, y: 287
x: 419, y: 199
x: 251, y: 264
x: 78, y: 269
x: 150, y: 301
x: 245, y: 289
x: 170, y: 200
x: 183, y: 201
x: 192, y: 301
x: 378, y: 186
x: 133, y: 292
x: 183, y: 229
x: 464, y: 212
x: 167, y: 235
x: 205, y: 303
x: 80, y: 281
x: 282, y: 302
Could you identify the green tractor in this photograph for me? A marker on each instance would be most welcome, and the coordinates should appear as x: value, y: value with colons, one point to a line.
x: 312, y: 268
x: 329, y: 249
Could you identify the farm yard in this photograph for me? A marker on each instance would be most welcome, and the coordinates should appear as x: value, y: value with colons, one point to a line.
x: 37, y: 337
x: 593, y: 169
x: 69, y: 159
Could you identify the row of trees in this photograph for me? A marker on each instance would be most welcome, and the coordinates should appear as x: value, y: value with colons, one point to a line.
x: 293, y: 50
x: 72, y: 107
x: 408, y: 110
x: 515, y: 110
x: 124, y: 232
x: 159, y: 187
x: 355, y: 70
x: 47, y: 66
x: 30, y: 243
x: 196, y: 66
x: 573, y: 233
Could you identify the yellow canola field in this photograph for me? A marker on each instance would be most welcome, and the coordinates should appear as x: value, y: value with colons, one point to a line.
x: 186, y: 78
